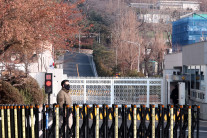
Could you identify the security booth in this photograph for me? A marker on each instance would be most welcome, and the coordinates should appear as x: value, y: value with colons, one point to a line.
x: 188, y: 69
x: 173, y: 80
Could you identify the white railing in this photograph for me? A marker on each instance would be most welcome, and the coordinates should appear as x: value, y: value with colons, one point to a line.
x: 93, y: 66
x: 116, y: 91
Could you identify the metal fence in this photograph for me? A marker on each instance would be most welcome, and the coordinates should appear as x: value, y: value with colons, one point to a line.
x: 116, y: 91
x: 99, y: 122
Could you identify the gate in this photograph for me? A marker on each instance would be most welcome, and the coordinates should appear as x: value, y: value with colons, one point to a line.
x: 22, y: 121
x: 116, y: 91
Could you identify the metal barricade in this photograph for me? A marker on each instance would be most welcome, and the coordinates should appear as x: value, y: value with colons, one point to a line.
x: 99, y: 121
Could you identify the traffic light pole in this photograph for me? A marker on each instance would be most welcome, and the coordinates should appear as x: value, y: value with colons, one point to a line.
x: 49, y: 99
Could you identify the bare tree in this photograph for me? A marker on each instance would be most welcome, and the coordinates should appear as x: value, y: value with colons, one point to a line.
x: 126, y: 39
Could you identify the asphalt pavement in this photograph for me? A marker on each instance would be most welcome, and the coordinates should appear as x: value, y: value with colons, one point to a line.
x: 77, y: 64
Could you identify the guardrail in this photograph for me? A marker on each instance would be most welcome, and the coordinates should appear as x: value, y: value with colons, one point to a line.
x: 93, y: 121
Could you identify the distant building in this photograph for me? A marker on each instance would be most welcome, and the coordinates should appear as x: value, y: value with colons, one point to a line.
x: 40, y: 62
x: 155, y: 17
x: 188, y: 67
x: 176, y: 5
x: 170, y: 4
x: 188, y: 30
x: 142, y: 5
x: 165, y: 11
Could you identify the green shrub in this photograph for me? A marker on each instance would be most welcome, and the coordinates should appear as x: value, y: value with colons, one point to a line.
x: 9, y: 94
x: 31, y: 91
x: 134, y: 73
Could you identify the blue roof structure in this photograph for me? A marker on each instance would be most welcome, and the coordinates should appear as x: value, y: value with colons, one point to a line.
x: 189, y: 30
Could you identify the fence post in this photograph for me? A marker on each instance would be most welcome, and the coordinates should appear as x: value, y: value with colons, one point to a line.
x: 134, y: 121
x: 32, y: 121
x: 107, y: 119
x: 143, y: 121
x: 189, y: 121
x: 112, y: 91
x: 27, y: 122
x: 19, y: 115
x: 176, y: 120
x: 198, y: 116
x: 153, y: 121
x: 47, y: 121
x: 44, y: 121
x: 57, y: 121
x: 15, y: 122
x: 116, y: 122
x: 23, y: 122
x: 157, y: 129
x: 74, y: 121
x: 97, y: 121
x: 163, y: 119
x: 5, y: 121
x: 171, y: 121
x: 12, y: 121
x: 102, y: 129
x: 2, y: 122
x: 37, y: 121
x: 8, y: 122
x: 77, y: 121
x: 181, y: 121
x: 83, y: 127
x: 124, y: 121
x: 87, y: 121
x: 148, y: 91
x: 84, y: 89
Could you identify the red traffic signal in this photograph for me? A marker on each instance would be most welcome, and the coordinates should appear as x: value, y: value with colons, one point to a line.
x: 48, y: 83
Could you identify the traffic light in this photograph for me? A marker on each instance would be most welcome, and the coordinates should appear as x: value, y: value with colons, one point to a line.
x: 48, y: 83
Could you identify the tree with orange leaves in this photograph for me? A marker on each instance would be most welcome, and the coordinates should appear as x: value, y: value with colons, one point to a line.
x: 24, y: 24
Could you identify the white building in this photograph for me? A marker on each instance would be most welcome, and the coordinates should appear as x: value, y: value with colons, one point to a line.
x: 42, y: 62
x: 188, y: 67
x: 142, y: 5
x: 155, y: 18
x: 176, y: 5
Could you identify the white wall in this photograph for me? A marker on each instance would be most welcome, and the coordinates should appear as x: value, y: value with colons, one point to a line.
x: 58, y: 76
x: 194, y: 7
x: 195, y: 54
x: 173, y: 60
x: 39, y: 77
x: 154, y: 18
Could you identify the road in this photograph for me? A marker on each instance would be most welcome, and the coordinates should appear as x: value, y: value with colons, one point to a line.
x: 77, y: 64
x: 203, y: 129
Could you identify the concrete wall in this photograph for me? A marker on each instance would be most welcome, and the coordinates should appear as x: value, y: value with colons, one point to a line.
x: 58, y: 76
x: 195, y: 54
x: 173, y: 60
x: 194, y: 7
x: 39, y: 77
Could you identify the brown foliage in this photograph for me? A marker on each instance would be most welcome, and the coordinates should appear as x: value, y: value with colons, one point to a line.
x: 31, y: 91
x: 203, y: 5
x: 9, y: 94
x: 24, y: 24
